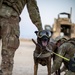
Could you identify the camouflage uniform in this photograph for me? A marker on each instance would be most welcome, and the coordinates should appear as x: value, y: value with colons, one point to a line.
x: 9, y: 22
x: 67, y: 50
x: 58, y: 42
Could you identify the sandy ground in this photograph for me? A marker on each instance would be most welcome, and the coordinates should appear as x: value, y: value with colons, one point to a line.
x: 23, y: 60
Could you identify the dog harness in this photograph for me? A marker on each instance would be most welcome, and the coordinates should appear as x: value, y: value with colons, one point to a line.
x: 41, y: 55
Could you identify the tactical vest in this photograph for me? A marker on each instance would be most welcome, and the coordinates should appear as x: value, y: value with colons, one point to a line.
x: 18, y: 5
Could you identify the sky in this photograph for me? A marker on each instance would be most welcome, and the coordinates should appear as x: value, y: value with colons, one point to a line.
x: 49, y: 9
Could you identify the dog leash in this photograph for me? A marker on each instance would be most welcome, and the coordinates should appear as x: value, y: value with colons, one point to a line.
x: 57, y: 54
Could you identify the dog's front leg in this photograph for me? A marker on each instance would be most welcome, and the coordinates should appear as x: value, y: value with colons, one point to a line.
x: 35, y: 68
x: 49, y: 66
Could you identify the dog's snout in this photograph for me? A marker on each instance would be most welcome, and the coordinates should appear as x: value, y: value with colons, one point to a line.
x: 45, y: 39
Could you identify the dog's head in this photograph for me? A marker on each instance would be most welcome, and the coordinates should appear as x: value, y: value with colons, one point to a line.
x: 43, y: 37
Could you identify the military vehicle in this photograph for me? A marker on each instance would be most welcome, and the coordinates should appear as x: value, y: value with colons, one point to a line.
x: 64, y: 25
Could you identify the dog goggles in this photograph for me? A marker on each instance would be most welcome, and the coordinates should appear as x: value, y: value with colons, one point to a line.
x: 44, y: 33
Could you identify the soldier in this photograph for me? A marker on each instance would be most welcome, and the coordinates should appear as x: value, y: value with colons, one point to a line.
x: 67, y: 50
x: 59, y: 41
x: 10, y: 11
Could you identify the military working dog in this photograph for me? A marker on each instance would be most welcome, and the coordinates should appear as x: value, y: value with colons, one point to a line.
x: 41, y: 54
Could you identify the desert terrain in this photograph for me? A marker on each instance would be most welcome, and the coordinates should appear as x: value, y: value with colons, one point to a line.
x: 23, y: 60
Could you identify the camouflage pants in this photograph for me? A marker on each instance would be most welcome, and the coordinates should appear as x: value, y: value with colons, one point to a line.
x: 10, y: 42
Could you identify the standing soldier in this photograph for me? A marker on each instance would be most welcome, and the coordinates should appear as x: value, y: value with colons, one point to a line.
x: 67, y: 50
x: 10, y: 11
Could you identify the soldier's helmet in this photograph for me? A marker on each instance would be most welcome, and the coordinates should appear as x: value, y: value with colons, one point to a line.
x: 60, y: 38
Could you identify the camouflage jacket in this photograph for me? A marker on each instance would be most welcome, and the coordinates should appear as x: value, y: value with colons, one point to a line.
x: 15, y: 8
x: 67, y: 50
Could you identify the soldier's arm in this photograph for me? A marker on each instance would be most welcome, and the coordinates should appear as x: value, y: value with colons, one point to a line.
x: 58, y: 60
x: 34, y: 13
x: 56, y: 64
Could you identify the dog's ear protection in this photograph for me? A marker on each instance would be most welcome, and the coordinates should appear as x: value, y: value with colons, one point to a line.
x: 36, y: 32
